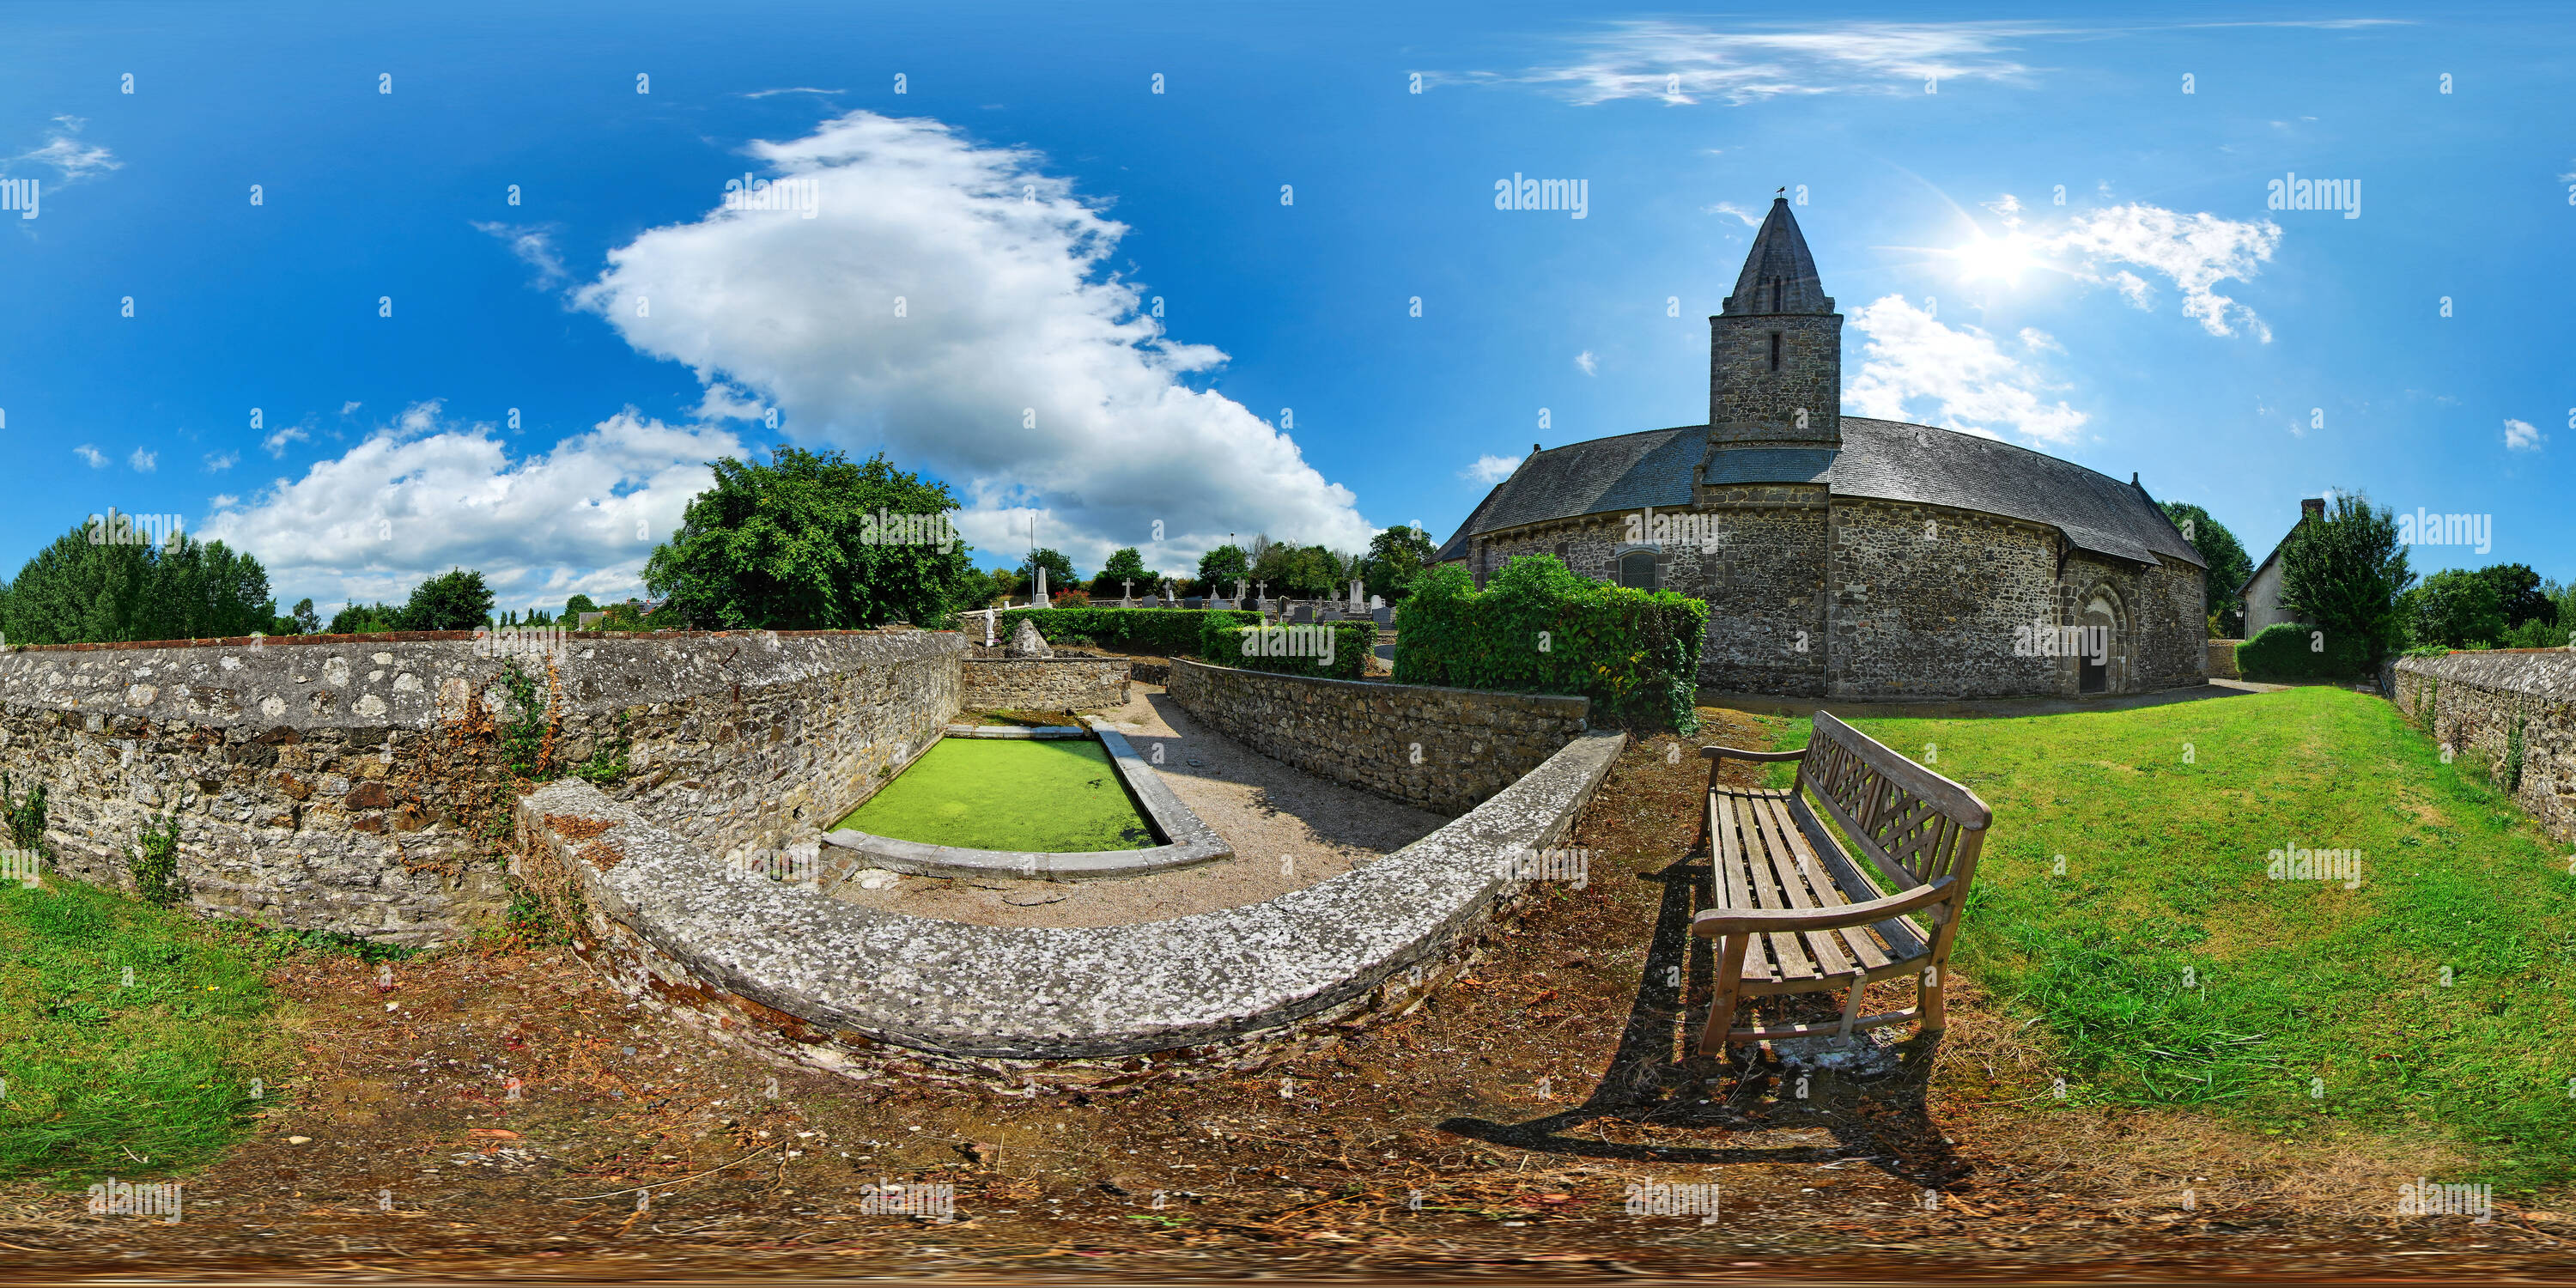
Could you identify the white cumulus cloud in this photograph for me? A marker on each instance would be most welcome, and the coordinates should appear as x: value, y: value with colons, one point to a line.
x: 956, y: 306
x: 275, y: 443
x: 93, y: 457
x: 424, y: 494
x: 2522, y: 436
x: 144, y: 462
x: 1490, y: 470
x: 1914, y: 368
x: 2195, y: 252
x: 1587, y: 362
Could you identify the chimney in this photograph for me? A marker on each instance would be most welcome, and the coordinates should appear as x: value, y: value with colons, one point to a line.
x: 2313, y: 507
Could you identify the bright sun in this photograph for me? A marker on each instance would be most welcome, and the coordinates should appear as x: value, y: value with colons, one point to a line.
x: 1994, y: 258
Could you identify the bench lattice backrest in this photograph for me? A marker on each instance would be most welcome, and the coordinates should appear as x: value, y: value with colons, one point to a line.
x: 1914, y: 826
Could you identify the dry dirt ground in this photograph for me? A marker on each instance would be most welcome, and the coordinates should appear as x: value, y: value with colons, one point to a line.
x: 1495, y: 1132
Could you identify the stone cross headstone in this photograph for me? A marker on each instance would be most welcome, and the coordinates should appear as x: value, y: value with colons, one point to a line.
x: 1128, y: 598
x: 1026, y: 642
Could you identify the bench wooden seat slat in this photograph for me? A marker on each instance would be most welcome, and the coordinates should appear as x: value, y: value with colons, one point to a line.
x: 1772, y: 852
x: 1856, y: 940
x: 1729, y: 882
x: 1781, y: 863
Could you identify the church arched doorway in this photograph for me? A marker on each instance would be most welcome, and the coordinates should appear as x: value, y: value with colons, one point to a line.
x: 2101, y: 655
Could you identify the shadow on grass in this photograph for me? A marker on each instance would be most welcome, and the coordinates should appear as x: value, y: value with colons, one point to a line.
x: 1651, y: 1083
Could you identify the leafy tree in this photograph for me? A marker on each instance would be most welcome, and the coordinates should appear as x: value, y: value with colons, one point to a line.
x: 455, y: 600
x: 307, y: 621
x: 796, y: 544
x: 577, y: 605
x: 1125, y: 564
x: 2519, y: 595
x: 2343, y: 575
x: 1059, y: 570
x: 1395, y: 557
x: 76, y: 592
x: 2455, y: 608
x: 1222, y: 567
x: 1303, y: 572
x: 1006, y: 582
x: 2227, y: 566
x: 365, y: 619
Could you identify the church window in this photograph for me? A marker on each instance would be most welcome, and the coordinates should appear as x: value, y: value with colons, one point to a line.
x: 1775, y: 351
x: 1637, y: 569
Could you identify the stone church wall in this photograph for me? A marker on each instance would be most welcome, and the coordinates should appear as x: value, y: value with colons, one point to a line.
x: 1926, y: 599
x: 1747, y: 400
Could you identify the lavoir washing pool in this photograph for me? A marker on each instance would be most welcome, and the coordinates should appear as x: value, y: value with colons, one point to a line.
x: 1008, y: 794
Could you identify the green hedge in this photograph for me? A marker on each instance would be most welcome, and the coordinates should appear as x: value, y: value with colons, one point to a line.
x: 1162, y: 632
x: 2288, y: 651
x: 1539, y: 628
x: 1223, y: 643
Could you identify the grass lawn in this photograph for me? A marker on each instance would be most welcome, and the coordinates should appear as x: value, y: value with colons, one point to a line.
x: 2440, y: 995
x: 106, y: 1076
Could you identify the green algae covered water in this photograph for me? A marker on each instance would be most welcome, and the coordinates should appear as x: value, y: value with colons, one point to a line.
x: 1008, y: 794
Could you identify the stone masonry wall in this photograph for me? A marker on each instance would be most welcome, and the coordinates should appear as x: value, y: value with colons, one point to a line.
x: 1926, y: 599
x: 1044, y: 683
x: 353, y: 783
x: 2471, y: 699
x: 1750, y: 402
x: 1470, y: 743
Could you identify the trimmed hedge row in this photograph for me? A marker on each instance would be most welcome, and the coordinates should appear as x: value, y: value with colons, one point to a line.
x: 1539, y: 628
x: 2289, y: 651
x: 1164, y: 632
x: 1257, y: 648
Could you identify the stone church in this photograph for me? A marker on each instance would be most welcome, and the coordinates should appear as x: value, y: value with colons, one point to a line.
x: 1843, y: 557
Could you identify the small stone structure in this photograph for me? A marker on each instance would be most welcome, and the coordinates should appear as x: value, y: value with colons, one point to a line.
x: 353, y: 783
x: 1026, y: 642
x: 2473, y: 699
x: 1050, y: 683
x: 1444, y: 750
x: 2222, y: 659
x: 787, y: 972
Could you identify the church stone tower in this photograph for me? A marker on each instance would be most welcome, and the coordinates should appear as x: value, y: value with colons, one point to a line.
x: 1776, y: 349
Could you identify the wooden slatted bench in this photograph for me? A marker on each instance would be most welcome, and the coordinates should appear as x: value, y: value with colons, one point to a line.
x: 1791, y: 910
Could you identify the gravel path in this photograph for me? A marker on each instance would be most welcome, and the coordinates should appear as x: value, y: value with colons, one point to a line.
x: 1289, y: 830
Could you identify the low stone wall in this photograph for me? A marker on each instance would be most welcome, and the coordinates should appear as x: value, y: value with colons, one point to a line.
x: 1043, y: 683
x: 2472, y: 700
x: 792, y: 974
x: 2222, y: 659
x: 357, y: 783
x: 1443, y: 750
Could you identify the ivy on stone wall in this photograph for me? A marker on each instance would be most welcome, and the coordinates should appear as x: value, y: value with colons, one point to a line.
x: 1539, y: 628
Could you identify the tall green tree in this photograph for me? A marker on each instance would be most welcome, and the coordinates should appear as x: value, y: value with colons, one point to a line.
x: 2344, y: 575
x: 365, y: 619
x: 1222, y: 567
x: 75, y: 591
x: 307, y: 621
x: 1395, y: 557
x: 796, y: 543
x: 1126, y: 564
x: 455, y: 600
x: 2519, y: 594
x: 2225, y: 565
x: 2455, y: 608
x: 1059, y: 570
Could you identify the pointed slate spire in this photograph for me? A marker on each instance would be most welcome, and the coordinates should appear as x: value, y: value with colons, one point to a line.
x: 1779, y: 275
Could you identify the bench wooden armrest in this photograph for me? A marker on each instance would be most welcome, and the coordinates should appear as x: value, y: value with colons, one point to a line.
x: 1735, y: 921
x: 1730, y: 753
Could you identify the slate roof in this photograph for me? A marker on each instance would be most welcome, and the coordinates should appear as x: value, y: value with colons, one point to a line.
x: 1879, y: 459
x: 1779, y: 274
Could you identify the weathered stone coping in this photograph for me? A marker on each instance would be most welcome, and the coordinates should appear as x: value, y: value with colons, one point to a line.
x: 1187, y: 842
x: 1017, y: 731
x: 426, y: 637
x: 951, y: 989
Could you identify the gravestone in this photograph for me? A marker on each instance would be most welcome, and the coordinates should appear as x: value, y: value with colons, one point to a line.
x: 1026, y: 642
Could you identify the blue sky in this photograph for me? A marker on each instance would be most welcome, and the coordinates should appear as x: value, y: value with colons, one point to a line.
x: 1033, y: 201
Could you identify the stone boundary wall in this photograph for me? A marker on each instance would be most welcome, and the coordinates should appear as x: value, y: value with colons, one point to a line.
x: 355, y: 783
x: 2222, y: 659
x: 1470, y: 743
x: 1043, y: 683
x: 794, y: 975
x: 2470, y: 699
